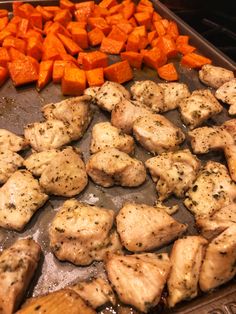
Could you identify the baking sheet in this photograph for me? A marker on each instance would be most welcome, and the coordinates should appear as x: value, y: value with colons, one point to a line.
x: 21, y: 106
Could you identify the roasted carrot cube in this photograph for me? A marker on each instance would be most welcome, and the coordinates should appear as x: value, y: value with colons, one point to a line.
x: 58, y: 69
x: 69, y: 44
x: 73, y: 81
x: 95, y: 59
x: 34, y: 48
x: 95, y: 77
x: 99, y: 22
x: 23, y: 71
x: 95, y: 37
x: 3, y: 22
x: 3, y: 75
x: 80, y: 37
x: 117, y: 34
x: 4, y: 57
x: 14, y: 42
x: 119, y: 72
x: 168, y: 72
x: 63, y: 17
x: 45, y: 73
x: 135, y: 59
x: 112, y: 46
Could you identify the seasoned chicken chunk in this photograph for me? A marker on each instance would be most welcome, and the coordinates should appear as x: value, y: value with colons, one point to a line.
x: 126, y: 112
x: 11, y: 141
x: 214, y: 76
x: 75, y: 112
x: 138, y: 279
x: 144, y: 228
x: 199, y: 107
x: 65, y: 175
x: 126, y: 310
x: 63, y: 301
x: 157, y: 134
x: 104, y: 135
x: 81, y: 233
x: 9, y: 163
x: 17, y: 266
x: 95, y: 292
x: 230, y: 155
x: 212, y: 190
x: 173, y: 93
x: 38, y: 162
x: 110, y: 94
x: 47, y: 135
x: 149, y: 93
x: 174, y: 172
x: 112, y: 167
x: 219, y: 265
x: 91, y: 91
x: 186, y: 259
x: 20, y: 197
x: 227, y: 94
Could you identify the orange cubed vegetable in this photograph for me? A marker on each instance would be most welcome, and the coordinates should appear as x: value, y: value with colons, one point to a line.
x: 115, y: 18
x: 119, y: 72
x: 25, y: 10
x: 63, y: 17
x: 12, y: 28
x: 125, y: 27
x: 99, y: 22
x: 154, y: 58
x: 53, y: 9
x: 34, y: 48
x: 165, y: 23
x: 128, y: 10
x: 168, y: 72
x: 4, y: 34
x: 88, y: 4
x: 4, y: 57
x: 143, y: 18
x: 80, y: 37
x: 168, y: 46
x: 3, y: 22
x: 151, y: 36
x: 36, y: 20
x: 14, y: 42
x: 172, y: 30
x: 95, y: 77
x: 194, y: 60
x: 45, y: 73
x: 160, y: 29
x: 52, y: 41
x: 3, y: 75
x: 107, y: 4
x: 112, y: 46
x: 94, y: 59
x: 55, y: 28
x: 116, y: 9
x: 72, y: 25
x: 143, y: 8
x: 83, y: 10
x: 67, y: 57
x: 67, y: 4
x: 132, y: 21
x: 95, y: 37
x: 80, y: 57
x: 3, y: 13
x: 182, y: 39
x: 16, y: 54
x: 140, y: 31
x: 73, y: 81
x: 23, y: 71
x: 47, y: 16
x: 185, y: 48
x: 135, y: 59
x: 58, y: 69
x: 99, y: 12
x: 35, y: 34
x: 15, y: 6
x: 132, y: 43
x: 117, y: 34
x: 143, y: 42
x: 23, y: 26
x: 69, y: 44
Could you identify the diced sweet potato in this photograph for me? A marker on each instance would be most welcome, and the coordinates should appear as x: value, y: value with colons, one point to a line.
x: 3, y: 13
x: 112, y: 46
x: 182, y: 39
x: 143, y: 18
x: 132, y: 43
x: 80, y: 37
x: 95, y: 37
x: 3, y: 22
x: 160, y: 29
x: 34, y: 48
x: 185, y: 48
x: 194, y: 60
x: 117, y: 34
x: 168, y: 46
x: 168, y: 72
x: 45, y: 74
x: 63, y: 17
x: 95, y: 77
x: 99, y: 22
x: 73, y: 24
x: 73, y: 81
x: 128, y: 10
x: 125, y: 27
x: 47, y: 16
x: 95, y: 59
x: 107, y: 3
x: 14, y: 42
x: 154, y: 58
x: 58, y: 69
x: 135, y: 59
x: 119, y: 72
x: 66, y: 4
x: 16, y: 54
x: 3, y: 75
x: 4, y: 57
x: 172, y: 30
x: 69, y: 44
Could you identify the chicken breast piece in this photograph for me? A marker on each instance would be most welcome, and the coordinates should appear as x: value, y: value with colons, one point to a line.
x: 227, y: 94
x: 20, y: 197
x: 75, y: 112
x: 36, y: 163
x: 104, y: 135
x: 47, y: 135
x: 91, y: 91
x: 110, y: 94
x: 17, y: 266
x: 157, y: 134
x: 138, y: 279
x: 219, y: 265
x: 112, y: 167
x: 9, y: 163
x: 144, y: 228
x: 173, y: 93
x: 174, y: 172
x: 212, y: 190
x: 126, y: 112
x: 11, y: 141
x: 63, y: 301
x: 126, y: 310
x: 214, y: 76
x: 81, y: 233
x: 186, y: 258
x: 199, y: 107
x: 65, y: 175
x: 230, y: 155
x: 148, y: 93
x: 95, y: 292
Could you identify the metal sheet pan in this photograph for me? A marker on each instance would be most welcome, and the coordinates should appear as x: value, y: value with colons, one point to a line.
x: 22, y: 105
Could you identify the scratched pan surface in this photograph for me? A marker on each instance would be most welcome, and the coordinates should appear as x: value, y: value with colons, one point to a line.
x: 21, y: 106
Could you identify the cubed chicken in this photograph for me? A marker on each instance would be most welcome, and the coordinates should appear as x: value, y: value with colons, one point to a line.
x: 9, y: 163
x: 214, y: 76
x: 112, y: 167
x: 230, y: 155
x: 11, y: 141
x: 174, y: 172
x: 92, y: 91
x: 227, y: 94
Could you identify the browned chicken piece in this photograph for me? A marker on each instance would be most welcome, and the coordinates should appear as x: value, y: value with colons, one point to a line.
x: 91, y: 91
x: 75, y: 112
x: 11, y: 141
x: 110, y: 94
x: 157, y: 134
x: 65, y: 175
x: 63, y: 301
x: 126, y: 310
x: 227, y: 94
x: 218, y: 222
x: 9, y: 163
x: 186, y: 259
x: 126, y: 112
x: 20, y: 197
x: 212, y: 190
x: 144, y: 228
x: 199, y: 107
x: 104, y: 135
x: 36, y: 163
x: 214, y: 76
x: 81, y: 233
x: 17, y: 266
x: 148, y: 93
x: 230, y: 155
x: 219, y: 265
x: 112, y: 167
x: 95, y: 292
x: 174, y: 172
x: 138, y: 279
